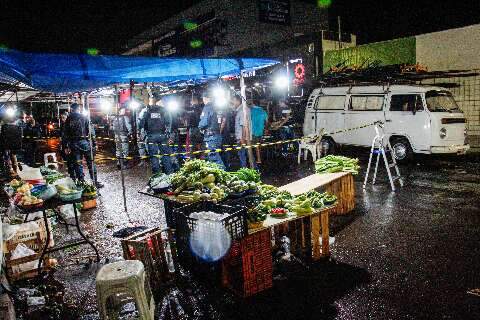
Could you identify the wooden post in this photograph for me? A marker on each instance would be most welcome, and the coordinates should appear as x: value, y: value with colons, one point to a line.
x: 246, y: 121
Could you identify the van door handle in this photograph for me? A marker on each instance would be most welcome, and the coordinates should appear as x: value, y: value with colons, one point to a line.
x: 388, y: 120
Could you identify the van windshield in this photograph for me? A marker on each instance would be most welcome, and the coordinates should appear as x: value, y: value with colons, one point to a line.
x: 441, y: 101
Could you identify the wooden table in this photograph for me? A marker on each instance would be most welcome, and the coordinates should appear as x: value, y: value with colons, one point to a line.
x: 304, y: 231
x: 339, y: 183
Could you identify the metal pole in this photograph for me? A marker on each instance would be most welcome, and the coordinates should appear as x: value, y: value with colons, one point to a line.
x: 134, y: 122
x: 121, y: 152
x: 90, y: 139
x: 339, y: 33
x: 245, y: 120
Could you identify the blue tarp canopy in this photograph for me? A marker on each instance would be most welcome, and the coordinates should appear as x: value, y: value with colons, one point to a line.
x: 65, y: 73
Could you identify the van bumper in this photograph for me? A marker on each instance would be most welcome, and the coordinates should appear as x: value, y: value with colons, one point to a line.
x: 458, y: 149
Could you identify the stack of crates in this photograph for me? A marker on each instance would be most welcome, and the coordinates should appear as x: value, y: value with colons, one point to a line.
x: 248, y: 268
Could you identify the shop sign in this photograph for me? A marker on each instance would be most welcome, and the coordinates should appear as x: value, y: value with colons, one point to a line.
x: 274, y: 11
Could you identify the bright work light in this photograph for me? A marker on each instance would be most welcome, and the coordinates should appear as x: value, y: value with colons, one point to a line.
x: 134, y: 105
x: 172, y: 105
x: 281, y: 81
x: 10, y: 112
x: 105, y: 105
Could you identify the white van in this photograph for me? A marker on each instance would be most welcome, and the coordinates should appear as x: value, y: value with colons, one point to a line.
x: 418, y: 119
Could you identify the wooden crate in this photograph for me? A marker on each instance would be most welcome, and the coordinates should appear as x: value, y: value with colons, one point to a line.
x: 14, y: 275
x: 344, y: 189
x: 29, y: 238
x: 248, y: 267
x: 149, y: 246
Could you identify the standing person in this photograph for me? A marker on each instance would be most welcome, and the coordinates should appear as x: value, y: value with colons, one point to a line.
x: 228, y: 133
x: 259, y: 122
x: 141, y: 137
x: 210, y: 123
x: 67, y: 158
x: 122, y: 129
x: 157, y: 124
x: 193, y: 114
x: 241, y: 128
x: 77, y: 132
x: 11, y: 132
x: 31, y: 132
x: 282, y: 115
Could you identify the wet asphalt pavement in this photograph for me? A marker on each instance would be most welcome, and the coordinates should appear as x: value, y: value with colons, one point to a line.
x: 412, y: 254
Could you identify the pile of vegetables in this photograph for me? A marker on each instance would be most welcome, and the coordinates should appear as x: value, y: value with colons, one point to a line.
x: 199, y: 180
x: 248, y: 175
x: 50, y: 175
x: 307, y: 203
x: 160, y: 181
x: 331, y: 163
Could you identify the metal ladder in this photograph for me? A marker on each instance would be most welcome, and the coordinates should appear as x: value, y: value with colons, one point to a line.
x: 381, y: 148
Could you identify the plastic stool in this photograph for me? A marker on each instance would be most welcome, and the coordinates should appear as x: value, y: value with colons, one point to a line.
x: 124, y: 278
x: 313, y: 147
x: 48, y: 163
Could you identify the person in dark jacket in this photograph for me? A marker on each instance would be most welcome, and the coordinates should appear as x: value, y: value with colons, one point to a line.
x: 122, y: 129
x: 77, y: 135
x: 157, y: 123
x: 31, y: 132
x: 67, y: 158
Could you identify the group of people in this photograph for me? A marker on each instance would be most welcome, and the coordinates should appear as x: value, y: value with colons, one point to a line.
x: 208, y: 127
x: 19, y: 137
x: 78, y: 143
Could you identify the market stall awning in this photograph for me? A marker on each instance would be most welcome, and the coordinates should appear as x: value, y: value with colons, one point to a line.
x: 61, y: 73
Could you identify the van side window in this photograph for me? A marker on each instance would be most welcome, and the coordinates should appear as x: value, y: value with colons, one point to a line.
x: 366, y: 103
x: 330, y: 103
x: 406, y: 102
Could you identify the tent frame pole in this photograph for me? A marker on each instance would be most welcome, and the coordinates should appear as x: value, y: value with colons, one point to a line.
x: 122, y: 174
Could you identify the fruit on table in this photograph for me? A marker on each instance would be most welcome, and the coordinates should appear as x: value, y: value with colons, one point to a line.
x: 24, y: 188
x: 279, y: 213
x: 15, y: 183
x: 28, y: 200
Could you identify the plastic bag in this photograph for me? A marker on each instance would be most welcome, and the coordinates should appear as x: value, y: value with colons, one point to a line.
x: 48, y: 193
x: 22, y: 251
x: 29, y: 173
x: 67, y: 182
x: 66, y: 211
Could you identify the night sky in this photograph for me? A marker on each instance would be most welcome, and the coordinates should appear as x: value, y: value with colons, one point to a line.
x: 73, y: 26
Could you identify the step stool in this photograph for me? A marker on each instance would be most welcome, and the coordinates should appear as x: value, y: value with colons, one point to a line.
x: 311, y: 144
x: 381, y: 147
x: 121, y: 282
x: 50, y: 164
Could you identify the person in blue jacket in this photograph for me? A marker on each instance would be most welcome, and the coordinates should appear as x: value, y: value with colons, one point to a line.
x: 211, y: 123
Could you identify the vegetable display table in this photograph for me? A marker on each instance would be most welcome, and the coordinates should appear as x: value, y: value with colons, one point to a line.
x: 339, y: 183
x: 318, y: 225
x: 52, y: 204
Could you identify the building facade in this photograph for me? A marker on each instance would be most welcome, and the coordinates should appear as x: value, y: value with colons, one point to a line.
x: 225, y: 27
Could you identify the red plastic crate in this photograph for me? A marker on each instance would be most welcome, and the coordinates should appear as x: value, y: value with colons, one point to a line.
x: 248, y: 267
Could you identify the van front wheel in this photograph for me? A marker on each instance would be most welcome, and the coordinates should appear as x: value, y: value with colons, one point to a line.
x: 402, y: 150
x: 328, y: 146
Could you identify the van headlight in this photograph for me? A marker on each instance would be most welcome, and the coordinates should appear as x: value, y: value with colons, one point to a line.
x: 443, y: 133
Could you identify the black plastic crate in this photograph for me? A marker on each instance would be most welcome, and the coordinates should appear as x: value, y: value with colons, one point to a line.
x: 170, y: 213
x: 235, y: 223
x: 250, y: 201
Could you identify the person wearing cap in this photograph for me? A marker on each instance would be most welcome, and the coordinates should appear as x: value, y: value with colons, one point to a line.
x: 157, y: 123
x: 122, y: 129
x: 77, y: 142
x: 211, y: 122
